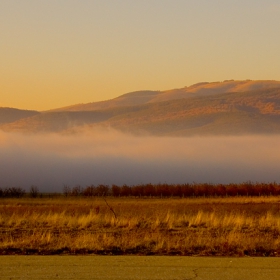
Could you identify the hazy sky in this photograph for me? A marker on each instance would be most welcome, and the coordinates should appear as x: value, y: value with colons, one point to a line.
x: 55, y: 53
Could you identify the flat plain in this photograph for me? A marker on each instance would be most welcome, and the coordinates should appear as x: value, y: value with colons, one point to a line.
x: 217, y: 226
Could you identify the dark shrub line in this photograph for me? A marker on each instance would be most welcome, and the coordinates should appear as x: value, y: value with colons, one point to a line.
x: 12, y: 192
x: 17, y: 192
x: 100, y: 190
x: 177, y: 190
x: 159, y: 190
x: 198, y: 190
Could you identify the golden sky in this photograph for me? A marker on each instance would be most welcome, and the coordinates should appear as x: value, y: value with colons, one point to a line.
x: 58, y: 53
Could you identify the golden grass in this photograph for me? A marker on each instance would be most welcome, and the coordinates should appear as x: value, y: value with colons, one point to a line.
x: 203, y: 226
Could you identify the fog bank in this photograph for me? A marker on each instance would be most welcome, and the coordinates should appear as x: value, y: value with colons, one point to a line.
x: 50, y: 160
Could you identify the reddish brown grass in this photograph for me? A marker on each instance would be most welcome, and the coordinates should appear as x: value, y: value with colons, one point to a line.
x: 190, y: 226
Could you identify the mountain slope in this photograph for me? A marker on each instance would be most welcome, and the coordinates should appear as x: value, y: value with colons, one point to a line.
x: 63, y: 121
x: 128, y: 99
x: 200, y: 89
x: 229, y: 113
x: 9, y: 115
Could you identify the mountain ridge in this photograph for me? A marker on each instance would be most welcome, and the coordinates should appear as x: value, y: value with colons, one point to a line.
x: 9, y: 115
x: 205, y: 113
x: 198, y: 89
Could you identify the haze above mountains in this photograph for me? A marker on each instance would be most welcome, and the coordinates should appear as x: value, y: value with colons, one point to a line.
x: 219, y: 108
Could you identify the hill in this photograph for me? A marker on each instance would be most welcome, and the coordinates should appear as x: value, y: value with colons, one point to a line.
x: 226, y: 113
x: 229, y: 113
x: 200, y: 89
x: 128, y: 99
x: 10, y: 115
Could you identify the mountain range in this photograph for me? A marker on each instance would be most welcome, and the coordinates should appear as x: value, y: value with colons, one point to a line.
x: 218, y: 108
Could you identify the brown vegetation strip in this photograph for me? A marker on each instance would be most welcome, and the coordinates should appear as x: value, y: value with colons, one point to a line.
x: 247, y: 189
x: 190, y: 226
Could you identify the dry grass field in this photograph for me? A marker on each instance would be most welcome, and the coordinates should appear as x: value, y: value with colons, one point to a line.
x: 232, y: 226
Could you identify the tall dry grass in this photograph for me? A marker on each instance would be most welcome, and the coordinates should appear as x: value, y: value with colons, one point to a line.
x: 210, y: 226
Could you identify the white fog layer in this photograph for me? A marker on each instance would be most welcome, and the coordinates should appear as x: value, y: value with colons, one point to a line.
x: 50, y: 160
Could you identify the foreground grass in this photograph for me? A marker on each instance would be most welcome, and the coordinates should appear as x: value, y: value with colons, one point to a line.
x: 205, y: 226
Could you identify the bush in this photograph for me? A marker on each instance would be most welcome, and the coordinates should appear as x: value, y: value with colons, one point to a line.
x: 34, y: 192
x: 13, y: 192
x: 76, y: 191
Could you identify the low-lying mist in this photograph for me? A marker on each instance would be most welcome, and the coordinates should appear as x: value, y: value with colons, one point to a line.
x: 50, y: 161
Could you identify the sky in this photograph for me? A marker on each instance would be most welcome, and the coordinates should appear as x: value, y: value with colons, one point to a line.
x: 56, y: 53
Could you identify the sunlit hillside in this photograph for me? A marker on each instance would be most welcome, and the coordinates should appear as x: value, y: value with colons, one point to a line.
x: 199, y: 89
x: 227, y: 108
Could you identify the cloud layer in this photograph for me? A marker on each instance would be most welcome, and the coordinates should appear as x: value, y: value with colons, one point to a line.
x: 51, y: 160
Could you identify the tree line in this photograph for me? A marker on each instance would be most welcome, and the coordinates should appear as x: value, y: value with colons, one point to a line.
x: 18, y: 192
x: 157, y: 190
x: 198, y: 190
x: 177, y: 190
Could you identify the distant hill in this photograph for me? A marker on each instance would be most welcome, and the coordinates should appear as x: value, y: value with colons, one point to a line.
x: 9, y: 115
x: 206, y: 109
x: 128, y: 99
x: 226, y: 113
x: 200, y: 89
